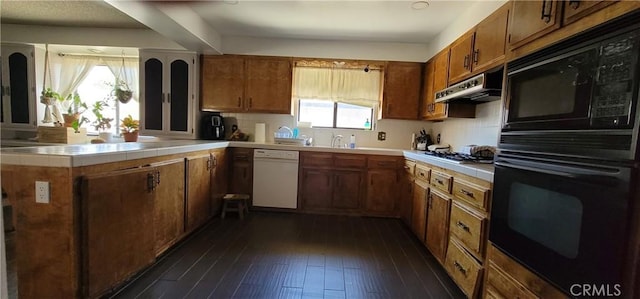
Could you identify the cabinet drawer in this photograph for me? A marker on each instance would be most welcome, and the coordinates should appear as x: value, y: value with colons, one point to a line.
x: 382, y: 162
x: 441, y: 181
x: 471, y: 193
x: 409, y: 167
x: 349, y: 161
x: 317, y: 159
x: 468, y: 227
x: 422, y: 173
x: 501, y: 285
x: 464, y: 270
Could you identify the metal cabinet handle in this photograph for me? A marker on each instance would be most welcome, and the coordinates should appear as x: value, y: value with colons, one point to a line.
x: 574, y: 4
x: 466, y: 61
x: 463, y: 226
x: 546, y: 16
x: 467, y: 193
x: 476, y: 53
x: 151, y: 182
x: 209, y: 163
x: 239, y: 102
x: 158, y: 177
x: 460, y: 268
x: 250, y: 102
x: 430, y: 201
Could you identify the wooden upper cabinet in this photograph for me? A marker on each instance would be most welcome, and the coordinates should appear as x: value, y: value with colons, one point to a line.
x: 490, y: 40
x: 268, y: 85
x: 428, y: 94
x: 222, y: 83
x: 440, y: 77
x: 460, y: 58
x: 401, y: 95
x: 531, y: 20
x: 481, y: 48
x: 246, y: 84
x: 576, y: 9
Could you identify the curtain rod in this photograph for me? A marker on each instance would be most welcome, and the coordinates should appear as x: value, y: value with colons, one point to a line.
x: 97, y: 55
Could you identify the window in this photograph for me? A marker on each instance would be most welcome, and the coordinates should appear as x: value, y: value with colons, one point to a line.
x: 97, y: 86
x: 340, y: 97
x: 334, y: 115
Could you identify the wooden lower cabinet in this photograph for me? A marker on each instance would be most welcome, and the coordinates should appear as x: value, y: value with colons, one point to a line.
x: 469, y: 228
x: 381, y: 191
x: 405, y: 202
x: 168, y: 210
x: 219, y: 179
x: 463, y: 268
x: 241, y: 176
x: 419, y: 209
x: 347, y: 189
x: 438, y: 207
x: 199, y: 169
x: 118, y: 231
x: 316, y: 188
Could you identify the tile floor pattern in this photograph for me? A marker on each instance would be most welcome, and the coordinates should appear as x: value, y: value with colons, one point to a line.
x: 285, y: 255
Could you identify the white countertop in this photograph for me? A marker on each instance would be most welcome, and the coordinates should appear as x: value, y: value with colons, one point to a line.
x: 91, y: 154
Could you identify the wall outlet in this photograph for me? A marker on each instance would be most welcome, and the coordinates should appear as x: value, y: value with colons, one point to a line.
x: 42, y: 192
x: 382, y: 136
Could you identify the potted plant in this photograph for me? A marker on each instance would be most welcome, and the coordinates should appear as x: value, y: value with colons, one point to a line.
x: 74, y: 107
x: 121, y: 91
x: 102, y: 124
x: 129, y: 128
x: 49, y: 97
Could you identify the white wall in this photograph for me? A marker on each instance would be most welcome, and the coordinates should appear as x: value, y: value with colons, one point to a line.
x: 398, y: 131
x: 482, y: 130
x: 467, y: 20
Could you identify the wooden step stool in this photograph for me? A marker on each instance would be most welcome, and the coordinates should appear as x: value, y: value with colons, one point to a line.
x: 241, y: 202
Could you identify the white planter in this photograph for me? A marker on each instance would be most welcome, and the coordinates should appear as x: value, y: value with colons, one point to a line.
x: 106, y: 136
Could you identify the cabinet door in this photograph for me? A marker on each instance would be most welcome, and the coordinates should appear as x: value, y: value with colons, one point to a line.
x: 401, y: 95
x: 241, y: 177
x: 438, y: 207
x: 428, y: 94
x: 419, y: 209
x: 168, y: 216
x: 180, y: 97
x: 531, y: 20
x: 316, y: 188
x: 406, y: 200
x: 222, y: 83
x: 118, y: 230
x: 490, y: 41
x: 347, y: 189
x: 153, y: 96
x: 441, y: 74
x: 460, y: 59
x: 198, y: 191
x: 268, y: 85
x: 381, y: 191
x: 219, y: 179
x: 576, y: 9
x: 18, y: 98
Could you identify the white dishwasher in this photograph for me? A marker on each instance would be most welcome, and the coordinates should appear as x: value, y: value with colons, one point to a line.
x: 275, y: 178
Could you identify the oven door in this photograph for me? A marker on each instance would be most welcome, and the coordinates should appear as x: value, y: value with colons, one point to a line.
x: 565, y: 221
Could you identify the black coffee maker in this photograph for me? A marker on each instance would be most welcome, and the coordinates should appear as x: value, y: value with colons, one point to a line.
x: 212, y: 126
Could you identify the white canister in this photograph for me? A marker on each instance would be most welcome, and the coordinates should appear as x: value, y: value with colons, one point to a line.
x: 106, y: 136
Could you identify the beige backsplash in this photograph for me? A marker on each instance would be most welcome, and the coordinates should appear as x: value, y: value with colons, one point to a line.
x: 482, y: 130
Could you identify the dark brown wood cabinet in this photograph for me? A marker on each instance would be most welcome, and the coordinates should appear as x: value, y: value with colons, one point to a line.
x: 438, y: 208
x: 219, y: 179
x: 241, y: 168
x: 118, y: 231
x: 168, y: 207
x: 347, y: 189
x: 577, y: 9
x: 401, y: 91
x: 232, y: 83
x: 381, y: 191
x: 436, y: 76
x: 405, y: 201
x: 530, y: 20
x: 199, y: 169
x: 460, y: 60
x: 419, y: 209
x: 316, y: 188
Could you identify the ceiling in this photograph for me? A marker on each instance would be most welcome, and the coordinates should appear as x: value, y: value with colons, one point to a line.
x: 375, y: 21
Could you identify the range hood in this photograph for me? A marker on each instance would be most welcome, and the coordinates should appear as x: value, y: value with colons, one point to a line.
x: 481, y: 88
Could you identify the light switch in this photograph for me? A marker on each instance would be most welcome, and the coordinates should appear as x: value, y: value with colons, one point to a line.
x: 42, y: 192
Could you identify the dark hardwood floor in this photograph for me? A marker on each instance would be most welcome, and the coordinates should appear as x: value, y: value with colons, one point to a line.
x: 283, y: 255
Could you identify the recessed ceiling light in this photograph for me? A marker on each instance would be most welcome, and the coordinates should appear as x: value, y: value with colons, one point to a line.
x: 418, y: 5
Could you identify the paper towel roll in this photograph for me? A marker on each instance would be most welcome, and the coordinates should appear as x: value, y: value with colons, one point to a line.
x: 260, y: 132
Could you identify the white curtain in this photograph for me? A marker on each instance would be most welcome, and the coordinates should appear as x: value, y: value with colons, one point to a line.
x: 351, y: 86
x: 127, y: 71
x: 67, y: 72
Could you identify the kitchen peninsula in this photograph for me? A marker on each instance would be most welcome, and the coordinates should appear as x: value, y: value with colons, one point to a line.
x: 104, y: 219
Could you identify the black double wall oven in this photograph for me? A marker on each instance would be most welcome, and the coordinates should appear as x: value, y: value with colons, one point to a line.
x: 566, y: 163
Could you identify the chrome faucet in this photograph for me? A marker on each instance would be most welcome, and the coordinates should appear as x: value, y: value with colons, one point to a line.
x: 334, y: 138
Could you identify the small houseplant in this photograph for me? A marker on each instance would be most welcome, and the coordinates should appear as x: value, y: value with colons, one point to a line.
x: 130, y: 128
x: 121, y: 91
x: 74, y: 107
x: 101, y: 124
